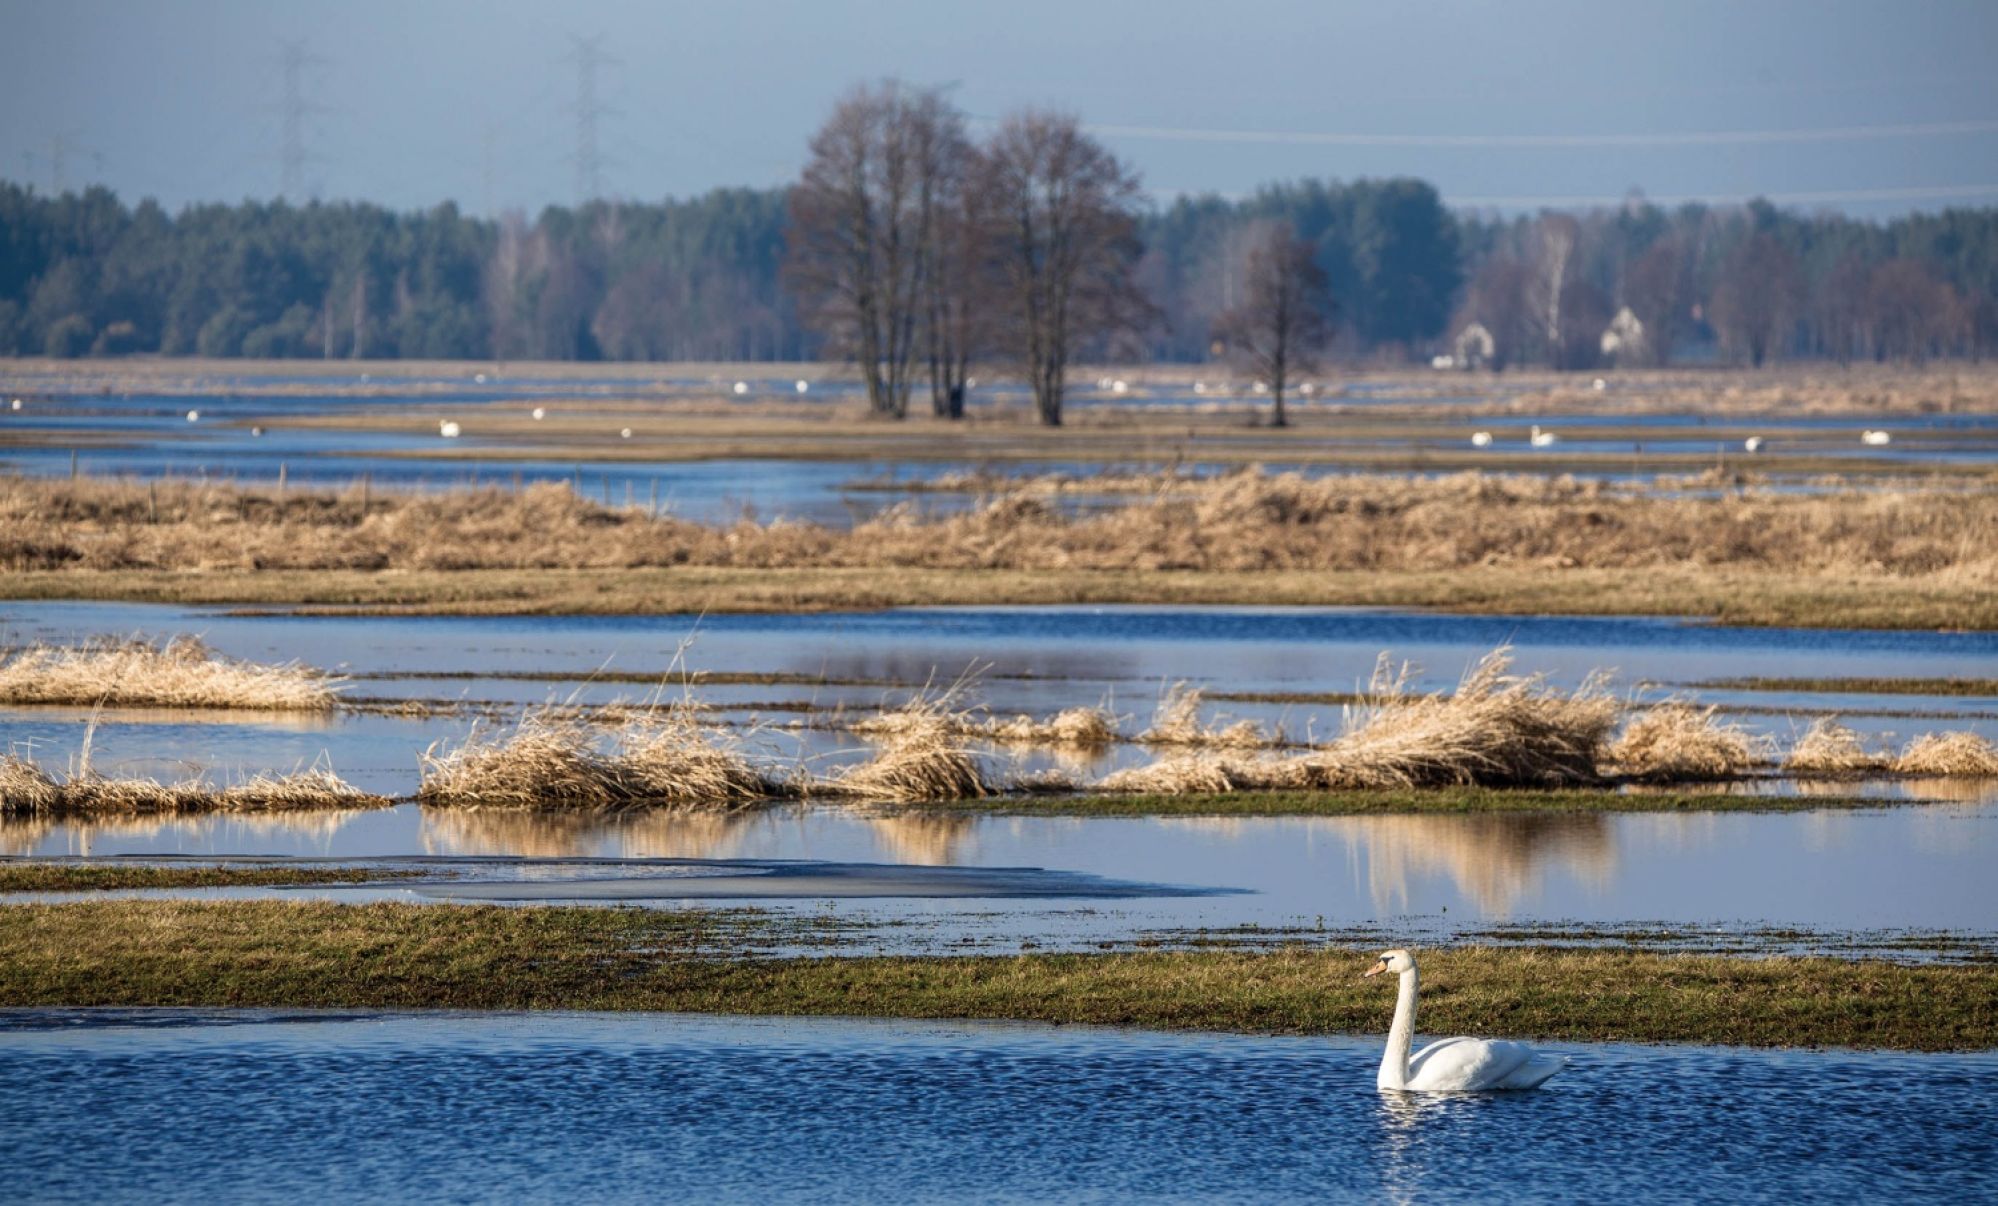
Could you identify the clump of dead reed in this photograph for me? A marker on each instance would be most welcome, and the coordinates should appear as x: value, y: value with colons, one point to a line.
x: 179, y: 673
x: 1945, y: 755
x: 1178, y: 722
x: 27, y: 790
x: 921, y: 758
x: 552, y: 758
x: 1497, y: 729
x: 1181, y: 773
x: 1829, y: 749
x: 1677, y: 741
x: 1074, y: 727
x: 670, y: 755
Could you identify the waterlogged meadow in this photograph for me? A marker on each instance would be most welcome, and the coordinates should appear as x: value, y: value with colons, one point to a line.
x: 1635, y: 734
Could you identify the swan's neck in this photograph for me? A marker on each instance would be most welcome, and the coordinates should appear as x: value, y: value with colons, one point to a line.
x: 1394, y: 1063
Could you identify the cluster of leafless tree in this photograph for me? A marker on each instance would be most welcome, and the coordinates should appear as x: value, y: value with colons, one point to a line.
x: 915, y: 249
x: 1633, y: 286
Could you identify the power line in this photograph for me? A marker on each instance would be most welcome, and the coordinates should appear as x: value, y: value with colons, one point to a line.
x: 1941, y: 192
x: 293, y: 60
x: 589, y: 58
x: 62, y: 146
x: 1935, y: 129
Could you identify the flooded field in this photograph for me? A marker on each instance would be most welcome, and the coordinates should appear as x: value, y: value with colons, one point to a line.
x: 334, y: 429
x: 358, y: 1107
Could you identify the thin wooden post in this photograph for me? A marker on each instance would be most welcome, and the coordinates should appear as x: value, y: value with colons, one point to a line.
x: 281, y: 468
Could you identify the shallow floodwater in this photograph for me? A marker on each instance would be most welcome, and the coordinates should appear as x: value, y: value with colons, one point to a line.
x: 1917, y: 867
x: 184, y: 1106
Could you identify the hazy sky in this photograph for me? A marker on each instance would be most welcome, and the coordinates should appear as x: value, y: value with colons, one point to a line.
x: 1509, y: 104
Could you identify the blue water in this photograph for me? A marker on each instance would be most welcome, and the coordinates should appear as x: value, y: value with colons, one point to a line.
x: 192, y: 1107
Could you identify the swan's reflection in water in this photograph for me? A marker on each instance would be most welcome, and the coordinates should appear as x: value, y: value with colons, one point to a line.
x: 1402, y: 1117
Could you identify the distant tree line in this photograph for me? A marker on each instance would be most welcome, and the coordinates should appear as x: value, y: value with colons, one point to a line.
x: 917, y: 250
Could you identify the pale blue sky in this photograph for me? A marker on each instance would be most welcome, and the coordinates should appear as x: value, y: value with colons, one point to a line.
x: 423, y: 100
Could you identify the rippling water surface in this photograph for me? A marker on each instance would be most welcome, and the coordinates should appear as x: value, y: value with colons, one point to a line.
x: 173, y: 1106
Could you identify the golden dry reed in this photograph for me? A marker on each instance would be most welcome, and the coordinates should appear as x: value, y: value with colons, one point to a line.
x: 664, y: 755
x: 1245, y: 521
x: 1830, y: 750
x: 1677, y: 741
x: 27, y: 790
x: 179, y: 673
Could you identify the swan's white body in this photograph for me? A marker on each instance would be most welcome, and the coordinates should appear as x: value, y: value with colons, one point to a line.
x: 1481, y: 439
x: 1452, y: 1064
x: 447, y: 429
x: 1752, y: 444
x: 1875, y: 438
x: 1539, y: 438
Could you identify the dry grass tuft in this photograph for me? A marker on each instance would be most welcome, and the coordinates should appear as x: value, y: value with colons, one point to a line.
x: 26, y: 790
x: 1831, y: 750
x: 180, y: 673
x: 921, y: 759
x: 1177, y: 774
x: 672, y: 756
x: 1497, y: 729
x: 1075, y: 727
x: 1677, y: 741
x: 1177, y: 722
x: 553, y: 759
x: 1943, y: 755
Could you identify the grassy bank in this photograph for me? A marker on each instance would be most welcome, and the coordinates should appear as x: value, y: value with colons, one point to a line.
x: 306, y: 954
x: 1946, y: 687
x: 96, y: 877
x: 1742, y: 596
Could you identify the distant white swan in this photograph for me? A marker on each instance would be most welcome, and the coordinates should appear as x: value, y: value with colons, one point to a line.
x: 1481, y: 439
x: 1459, y: 1064
x: 1752, y: 444
x: 1539, y: 438
x: 448, y: 429
x: 1875, y: 438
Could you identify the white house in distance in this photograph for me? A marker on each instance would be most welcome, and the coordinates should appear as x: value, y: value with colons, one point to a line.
x: 1473, y: 348
x: 1623, y: 340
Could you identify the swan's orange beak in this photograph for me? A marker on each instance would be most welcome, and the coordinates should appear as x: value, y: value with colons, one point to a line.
x: 1380, y: 965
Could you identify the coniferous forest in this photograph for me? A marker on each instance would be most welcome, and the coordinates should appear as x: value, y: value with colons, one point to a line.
x: 86, y: 274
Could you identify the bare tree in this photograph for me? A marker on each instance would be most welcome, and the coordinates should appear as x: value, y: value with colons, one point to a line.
x: 1657, y: 286
x: 958, y: 285
x: 862, y: 229
x: 1914, y: 313
x: 1755, y: 297
x: 1554, y: 248
x: 1064, y: 243
x: 1284, y: 316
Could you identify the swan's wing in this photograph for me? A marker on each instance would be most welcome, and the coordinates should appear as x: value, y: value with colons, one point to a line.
x: 1473, y: 1064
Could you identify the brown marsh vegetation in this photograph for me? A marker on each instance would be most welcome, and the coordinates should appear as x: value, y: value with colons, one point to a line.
x: 1915, y: 557
x: 28, y: 790
x: 178, y: 673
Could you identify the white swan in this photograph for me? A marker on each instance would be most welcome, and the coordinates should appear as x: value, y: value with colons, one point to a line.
x: 1481, y: 439
x: 1875, y: 438
x: 1461, y: 1064
x: 1539, y: 438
